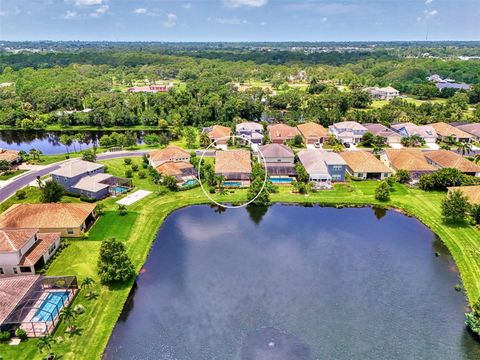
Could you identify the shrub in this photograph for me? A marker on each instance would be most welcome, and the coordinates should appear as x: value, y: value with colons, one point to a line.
x: 87, y: 199
x: 128, y: 173
x: 455, y: 206
x: 5, y: 336
x: 402, y: 176
x: 135, y: 167
x: 127, y: 161
x: 122, y: 209
x: 114, y: 265
x: 21, y: 194
x: 382, y: 191
x: 21, y: 334
x: 52, y: 192
x: 142, y: 174
x: 211, y: 189
x: 170, y: 183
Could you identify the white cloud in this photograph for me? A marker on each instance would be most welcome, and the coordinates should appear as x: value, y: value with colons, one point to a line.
x: 431, y: 13
x: 81, y: 3
x: 247, y: 3
x: 324, y: 19
x: 427, y: 2
x: 70, y: 15
x: 140, y: 11
x: 187, y: 6
x: 228, y: 21
x: 100, y: 11
x: 263, y: 23
x: 171, y: 20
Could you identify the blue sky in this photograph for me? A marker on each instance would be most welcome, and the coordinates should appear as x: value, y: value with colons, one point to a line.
x: 239, y: 20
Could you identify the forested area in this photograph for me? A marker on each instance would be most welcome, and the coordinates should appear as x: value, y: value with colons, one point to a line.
x: 205, y: 91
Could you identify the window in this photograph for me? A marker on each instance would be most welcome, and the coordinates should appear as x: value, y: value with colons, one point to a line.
x: 52, y: 249
x: 1, y: 271
x: 336, y: 177
x: 337, y: 167
x: 15, y: 271
x: 25, y: 269
x: 70, y: 231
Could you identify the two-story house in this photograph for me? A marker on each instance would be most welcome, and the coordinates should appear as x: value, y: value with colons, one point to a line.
x: 323, y: 167
x: 279, y: 158
x: 251, y: 132
x: 426, y: 132
x: 25, y: 251
x: 173, y: 161
x: 348, y: 132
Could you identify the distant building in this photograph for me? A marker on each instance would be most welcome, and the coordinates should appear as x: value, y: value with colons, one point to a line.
x: 390, y: 136
x: 323, y: 167
x: 173, y: 161
x: 281, y: 133
x: 313, y: 133
x: 251, y: 132
x: 449, y: 159
x: 348, y: 132
x: 411, y: 160
x: 383, y: 93
x: 426, y: 132
x: 448, y: 85
x: 25, y: 251
x: 149, y: 89
x: 364, y: 165
x: 218, y: 134
x: 235, y: 165
x: 10, y: 156
x: 445, y: 130
x: 473, y: 129
x: 279, y: 159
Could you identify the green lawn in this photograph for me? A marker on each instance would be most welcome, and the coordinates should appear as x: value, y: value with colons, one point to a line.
x: 147, y: 215
x: 11, y: 174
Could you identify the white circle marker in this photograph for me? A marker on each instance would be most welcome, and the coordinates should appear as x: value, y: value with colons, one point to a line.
x: 200, y: 178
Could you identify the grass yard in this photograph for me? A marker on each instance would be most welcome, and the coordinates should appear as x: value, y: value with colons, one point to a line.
x: 10, y: 174
x: 146, y: 216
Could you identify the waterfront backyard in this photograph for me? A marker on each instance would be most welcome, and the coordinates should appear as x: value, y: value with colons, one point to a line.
x: 146, y: 216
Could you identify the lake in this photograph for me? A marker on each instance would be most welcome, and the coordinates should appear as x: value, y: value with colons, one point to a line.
x: 49, y: 141
x: 294, y: 282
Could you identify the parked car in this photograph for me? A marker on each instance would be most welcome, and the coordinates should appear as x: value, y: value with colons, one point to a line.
x: 317, y: 145
x: 347, y: 145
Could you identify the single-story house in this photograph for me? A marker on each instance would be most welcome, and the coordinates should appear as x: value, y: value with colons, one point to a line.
x: 449, y: 85
x: 383, y: 93
x: 445, y: 130
x: 450, y: 159
x: 173, y: 161
x: 348, y: 132
x: 170, y: 153
x: 323, y: 167
x: 279, y: 159
x: 70, y: 220
x: 280, y: 133
x: 312, y: 133
x: 251, y: 131
x: 149, y: 89
x: 88, y: 179
x: 471, y: 192
x: 390, y: 136
x: 473, y: 129
x: 10, y: 156
x: 21, y: 297
x: 25, y: 251
x: 426, y: 132
x: 235, y: 165
x: 218, y: 134
x: 364, y: 165
x: 411, y: 160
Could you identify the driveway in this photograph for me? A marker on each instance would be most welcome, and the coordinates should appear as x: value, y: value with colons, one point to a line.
x: 396, y: 146
x: 433, y: 146
x: 20, y: 182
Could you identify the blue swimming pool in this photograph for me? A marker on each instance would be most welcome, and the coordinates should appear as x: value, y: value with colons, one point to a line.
x: 189, y: 182
x: 280, y: 180
x: 232, y: 183
x: 120, y: 189
x: 51, y: 306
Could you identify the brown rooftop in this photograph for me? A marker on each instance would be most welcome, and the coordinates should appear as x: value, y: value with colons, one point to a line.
x: 472, y: 192
x: 52, y: 215
x: 364, y: 162
x: 173, y: 168
x: 312, y: 130
x: 450, y: 159
x: 276, y: 151
x: 282, y: 131
x: 444, y: 129
x: 232, y: 161
x: 218, y: 131
x: 13, y: 240
x: 168, y: 154
x: 12, y: 291
x: 409, y: 160
x: 45, y: 240
x: 9, y: 155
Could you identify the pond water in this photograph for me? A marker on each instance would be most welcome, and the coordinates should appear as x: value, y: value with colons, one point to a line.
x: 294, y: 282
x: 49, y: 141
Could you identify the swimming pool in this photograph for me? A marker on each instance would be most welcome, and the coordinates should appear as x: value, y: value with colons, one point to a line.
x: 120, y: 189
x: 280, y: 180
x: 189, y: 182
x: 232, y: 183
x: 50, y: 307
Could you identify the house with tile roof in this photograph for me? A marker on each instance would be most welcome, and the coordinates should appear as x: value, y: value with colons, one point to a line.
x: 383, y: 93
x: 218, y: 134
x: 251, y: 131
x: 281, y: 133
x: 10, y: 156
x: 279, y: 158
x: 313, y: 133
x: 445, y: 131
x: 426, y: 132
x: 235, y: 165
x: 25, y: 251
x: 348, y: 132
x: 450, y: 159
x: 390, y: 136
x: 411, y: 160
x: 364, y: 165
x: 471, y: 192
x: 473, y: 129
x: 323, y: 167
x: 69, y: 219
x: 173, y: 161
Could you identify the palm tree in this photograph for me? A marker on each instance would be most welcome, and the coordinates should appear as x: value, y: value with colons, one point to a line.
x: 45, y: 344
x: 476, y: 160
x: 35, y: 154
x: 68, y: 316
x: 87, y: 282
x: 67, y: 141
x: 465, y: 147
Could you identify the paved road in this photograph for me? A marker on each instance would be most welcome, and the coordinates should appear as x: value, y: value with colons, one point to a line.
x: 23, y: 181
